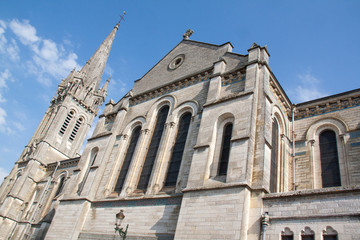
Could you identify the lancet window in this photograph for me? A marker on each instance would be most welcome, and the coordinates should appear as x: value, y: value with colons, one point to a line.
x: 93, y: 156
x: 153, y: 149
x: 178, y: 150
x: 225, y: 149
x: 330, y: 172
x: 274, y: 156
x: 60, y: 185
x: 127, y: 160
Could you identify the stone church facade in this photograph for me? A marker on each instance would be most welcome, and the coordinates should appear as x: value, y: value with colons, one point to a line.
x: 206, y: 145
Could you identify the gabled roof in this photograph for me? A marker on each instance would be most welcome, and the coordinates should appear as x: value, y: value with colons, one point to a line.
x: 191, y: 57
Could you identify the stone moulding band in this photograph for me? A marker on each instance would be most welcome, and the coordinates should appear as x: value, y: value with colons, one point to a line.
x: 138, y: 202
x: 327, y: 108
x: 313, y: 192
x: 316, y: 216
x: 170, y: 88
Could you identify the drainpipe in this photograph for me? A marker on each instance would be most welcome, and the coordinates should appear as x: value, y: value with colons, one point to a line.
x: 293, y: 146
x: 38, y: 206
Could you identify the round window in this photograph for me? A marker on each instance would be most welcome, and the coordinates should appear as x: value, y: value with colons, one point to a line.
x: 177, y: 61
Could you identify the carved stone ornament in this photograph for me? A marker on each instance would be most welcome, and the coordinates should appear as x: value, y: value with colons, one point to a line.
x: 156, y: 188
x: 145, y: 131
x: 26, y: 153
x: 172, y: 124
x: 128, y: 190
x: 188, y: 33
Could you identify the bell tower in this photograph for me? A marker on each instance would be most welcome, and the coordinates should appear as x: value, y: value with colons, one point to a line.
x: 58, y: 137
x: 63, y: 129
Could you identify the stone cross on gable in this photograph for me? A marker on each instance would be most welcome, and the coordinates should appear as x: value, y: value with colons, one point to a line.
x: 188, y: 33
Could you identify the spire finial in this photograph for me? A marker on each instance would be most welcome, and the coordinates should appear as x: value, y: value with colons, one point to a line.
x: 121, y: 18
x: 188, y: 33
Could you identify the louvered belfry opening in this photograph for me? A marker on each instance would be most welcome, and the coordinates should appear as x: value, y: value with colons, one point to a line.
x: 66, y: 123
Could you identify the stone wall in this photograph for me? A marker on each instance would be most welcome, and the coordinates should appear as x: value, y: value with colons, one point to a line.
x: 214, y: 214
x: 146, y: 217
x: 338, y: 208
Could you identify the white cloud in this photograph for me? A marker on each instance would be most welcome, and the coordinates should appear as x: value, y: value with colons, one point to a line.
x: 108, y: 70
x: 2, y: 117
x: 50, y: 61
x: 2, y: 24
x: 13, y: 50
x: 3, y: 174
x: 49, y: 50
x: 25, y: 31
x: 308, y: 88
x: 19, y: 126
x: 3, y: 124
x: 3, y: 40
x: 4, y: 77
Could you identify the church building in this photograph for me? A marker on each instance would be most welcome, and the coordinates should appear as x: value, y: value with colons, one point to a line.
x: 206, y: 145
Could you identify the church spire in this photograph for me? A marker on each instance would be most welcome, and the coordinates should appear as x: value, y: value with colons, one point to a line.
x: 94, y: 68
x: 104, y: 88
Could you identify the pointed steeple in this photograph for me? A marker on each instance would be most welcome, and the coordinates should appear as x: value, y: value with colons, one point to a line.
x: 94, y: 68
x: 104, y: 88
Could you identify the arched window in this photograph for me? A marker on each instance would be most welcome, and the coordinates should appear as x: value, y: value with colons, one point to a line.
x: 225, y: 150
x: 127, y: 160
x: 60, y: 185
x: 287, y: 234
x: 274, y: 156
x: 93, y: 156
x: 75, y: 129
x: 153, y: 149
x: 66, y: 122
x: 307, y: 234
x: 330, y: 172
x: 330, y: 234
x: 178, y: 150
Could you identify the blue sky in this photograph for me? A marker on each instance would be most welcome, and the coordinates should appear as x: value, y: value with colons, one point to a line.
x: 313, y: 45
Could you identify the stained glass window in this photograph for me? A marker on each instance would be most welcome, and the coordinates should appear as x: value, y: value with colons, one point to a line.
x: 178, y: 150
x: 274, y: 156
x: 330, y: 172
x: 127, y: 160
x: 153, y: 149
x: 61, y: 185
x: 225, y: 149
